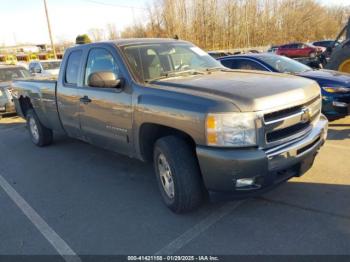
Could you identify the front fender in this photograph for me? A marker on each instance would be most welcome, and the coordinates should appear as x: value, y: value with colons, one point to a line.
x: 182, y: 112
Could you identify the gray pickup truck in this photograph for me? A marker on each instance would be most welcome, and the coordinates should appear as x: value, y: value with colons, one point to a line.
x: 205, y: 127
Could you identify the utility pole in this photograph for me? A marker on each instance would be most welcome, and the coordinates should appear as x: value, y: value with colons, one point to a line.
x: 50, y: 33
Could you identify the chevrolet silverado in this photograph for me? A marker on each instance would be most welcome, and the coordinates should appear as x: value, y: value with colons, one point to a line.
x: 205, y: 127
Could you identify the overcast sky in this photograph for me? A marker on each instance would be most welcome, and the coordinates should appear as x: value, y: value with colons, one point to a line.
x: 24, y: 20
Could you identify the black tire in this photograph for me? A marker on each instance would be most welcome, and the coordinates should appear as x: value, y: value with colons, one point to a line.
x: 339, y: 56
x: 185, y: 173
x: 44, y: 135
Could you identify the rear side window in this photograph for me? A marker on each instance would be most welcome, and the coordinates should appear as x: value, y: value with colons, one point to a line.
x: 72, y: 69
x: 226, y: 63
x: 246, y: 65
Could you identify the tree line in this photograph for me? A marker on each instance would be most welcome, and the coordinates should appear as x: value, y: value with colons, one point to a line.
x: 228, y: 24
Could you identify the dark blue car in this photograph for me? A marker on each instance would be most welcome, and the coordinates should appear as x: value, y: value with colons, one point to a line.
x: 335, y: 86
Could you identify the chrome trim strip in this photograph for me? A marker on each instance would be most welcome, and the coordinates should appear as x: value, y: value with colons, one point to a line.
x: 283, y: 141
x: 295, y: 145
x: 287, y: 121
x: 294, y: 148
x: 282, y: 157
x: 284, y: 118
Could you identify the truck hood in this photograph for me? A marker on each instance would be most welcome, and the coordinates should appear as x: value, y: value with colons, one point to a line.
x: 250, y: 91
x: 329, y: 76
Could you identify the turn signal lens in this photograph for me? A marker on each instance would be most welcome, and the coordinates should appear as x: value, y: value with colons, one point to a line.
x: 212, y: 138
x: 211, y: 122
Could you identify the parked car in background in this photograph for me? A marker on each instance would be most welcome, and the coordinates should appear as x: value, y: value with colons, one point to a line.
x: 328, y: 45
x: 335, y: 86
x: 45, y: 68
x: 273, y: 49
x: 299, y: 50
x: 7, y: 74
x: 205, y: 127
x: 217, y: 54
x: 325, y: 43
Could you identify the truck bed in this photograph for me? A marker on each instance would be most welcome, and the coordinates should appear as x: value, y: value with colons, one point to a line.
x: 42, y: 94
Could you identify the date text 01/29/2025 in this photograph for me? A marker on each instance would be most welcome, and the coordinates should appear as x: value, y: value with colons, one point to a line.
x: 173, y: 258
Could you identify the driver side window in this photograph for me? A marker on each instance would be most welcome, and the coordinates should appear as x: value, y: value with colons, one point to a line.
x: 100, y: 60
x: 180, y: 58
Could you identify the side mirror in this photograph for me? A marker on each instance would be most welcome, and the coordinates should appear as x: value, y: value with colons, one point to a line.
x: 105, y: 79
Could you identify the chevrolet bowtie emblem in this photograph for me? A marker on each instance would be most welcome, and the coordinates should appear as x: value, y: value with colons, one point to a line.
x: 306, y: 116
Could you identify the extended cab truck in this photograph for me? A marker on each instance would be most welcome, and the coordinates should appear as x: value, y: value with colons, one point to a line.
x: 204, y: 126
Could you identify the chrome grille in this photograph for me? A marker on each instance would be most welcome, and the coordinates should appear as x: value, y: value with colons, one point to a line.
x: 291, y: 123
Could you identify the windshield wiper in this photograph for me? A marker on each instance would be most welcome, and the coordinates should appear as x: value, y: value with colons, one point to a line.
x: 175, y: 73
x: 211, y: 69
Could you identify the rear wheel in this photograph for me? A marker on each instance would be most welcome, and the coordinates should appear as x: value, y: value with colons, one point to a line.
x: 39, y: 134
x: 340, y: 59
x: 178, y: 174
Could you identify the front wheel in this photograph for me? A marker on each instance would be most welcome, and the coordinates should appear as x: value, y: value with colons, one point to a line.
x: 39, y: 134
x: 178, y: 174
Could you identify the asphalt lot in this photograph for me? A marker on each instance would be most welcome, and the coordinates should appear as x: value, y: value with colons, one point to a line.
x: 102, y: 203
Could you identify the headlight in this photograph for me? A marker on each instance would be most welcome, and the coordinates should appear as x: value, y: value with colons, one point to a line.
x: 231, y: 129
x: 336, y: 89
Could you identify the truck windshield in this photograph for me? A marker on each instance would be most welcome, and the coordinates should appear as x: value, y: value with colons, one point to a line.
x: 154, y: 61
x: 9, y: 74
x: 51, y: 65
x: 284, y: 64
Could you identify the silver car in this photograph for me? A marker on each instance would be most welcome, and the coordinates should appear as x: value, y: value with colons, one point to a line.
x: 7, y: 74
x: 45, y: 68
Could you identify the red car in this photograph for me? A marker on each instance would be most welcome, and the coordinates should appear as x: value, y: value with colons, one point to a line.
x: 299, y: 50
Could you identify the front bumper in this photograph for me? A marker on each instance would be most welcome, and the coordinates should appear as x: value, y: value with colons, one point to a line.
x: 221, y: 168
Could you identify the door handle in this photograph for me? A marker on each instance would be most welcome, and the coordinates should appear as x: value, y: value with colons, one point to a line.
x: 85, y: 100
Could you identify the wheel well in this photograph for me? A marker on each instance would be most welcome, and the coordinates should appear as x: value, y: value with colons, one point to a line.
x: 25, y: 104
x: 150, y: 133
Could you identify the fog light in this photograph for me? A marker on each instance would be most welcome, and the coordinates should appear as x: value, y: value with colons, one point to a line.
x: 340, y: 104
x: 2, y: 108
x: 244, y: 182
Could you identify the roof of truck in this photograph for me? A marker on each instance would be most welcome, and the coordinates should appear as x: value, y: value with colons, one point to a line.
x: 146, y: 41
x: 127, y: 41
